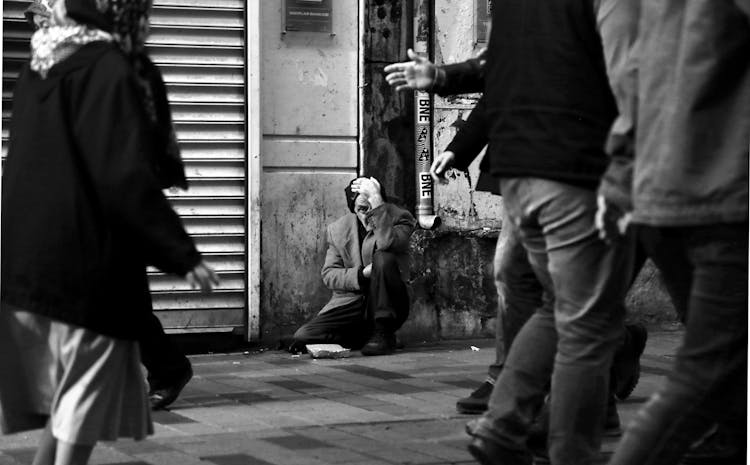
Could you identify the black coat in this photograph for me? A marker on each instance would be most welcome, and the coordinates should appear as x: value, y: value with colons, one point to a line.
x: 82, y: 212
x: 547, y: 106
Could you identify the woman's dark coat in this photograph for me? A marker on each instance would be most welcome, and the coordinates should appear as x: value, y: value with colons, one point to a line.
x: 82, y: 212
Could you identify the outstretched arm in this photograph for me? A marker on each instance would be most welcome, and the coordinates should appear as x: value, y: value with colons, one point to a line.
x: 421, y: 74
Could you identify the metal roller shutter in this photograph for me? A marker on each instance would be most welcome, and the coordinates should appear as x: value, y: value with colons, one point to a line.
x: 199, y: 45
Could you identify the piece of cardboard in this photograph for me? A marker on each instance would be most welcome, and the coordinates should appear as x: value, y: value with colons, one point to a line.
x: 328, y: 351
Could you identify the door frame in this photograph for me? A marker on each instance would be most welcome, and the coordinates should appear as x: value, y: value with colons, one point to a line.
x: 253, y: 166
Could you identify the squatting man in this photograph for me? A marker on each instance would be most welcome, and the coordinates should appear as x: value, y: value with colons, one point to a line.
x: 366, y: 268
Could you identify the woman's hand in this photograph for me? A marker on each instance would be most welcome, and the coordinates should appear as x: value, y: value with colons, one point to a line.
x: 203, y: 277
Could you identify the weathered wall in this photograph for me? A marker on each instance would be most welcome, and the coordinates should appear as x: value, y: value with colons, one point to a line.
x: 387, y: 139
x: 458, y: 204
x: 309, y: 152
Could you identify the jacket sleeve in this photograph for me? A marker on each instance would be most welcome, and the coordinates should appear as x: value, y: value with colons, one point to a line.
x: 392, y: 227
x: 462, y: 78
x: 471, y: 137
x: 336, y: 276
x: 115, y: 148
x: 618, y: 27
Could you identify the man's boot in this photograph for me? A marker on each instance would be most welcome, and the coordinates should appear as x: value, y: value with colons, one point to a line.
x: 382, y: 342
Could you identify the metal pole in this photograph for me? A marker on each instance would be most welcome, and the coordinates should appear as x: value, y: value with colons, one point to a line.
x: 423, y: 109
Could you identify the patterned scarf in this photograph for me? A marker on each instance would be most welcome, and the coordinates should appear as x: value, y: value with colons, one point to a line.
x: 51, y: 45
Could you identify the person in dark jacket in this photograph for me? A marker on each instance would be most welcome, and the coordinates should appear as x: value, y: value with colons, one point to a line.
x: 545, y: 112
x: 366, y: 268
x: 519, y: 292
x: 168, y: 368
x: 82, y: 216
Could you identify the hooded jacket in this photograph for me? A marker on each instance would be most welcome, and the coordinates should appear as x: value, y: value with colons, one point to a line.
x: 82, y: 212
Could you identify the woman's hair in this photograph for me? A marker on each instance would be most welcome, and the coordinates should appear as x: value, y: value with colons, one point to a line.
x: 127, y: 21
x: 351, y: 196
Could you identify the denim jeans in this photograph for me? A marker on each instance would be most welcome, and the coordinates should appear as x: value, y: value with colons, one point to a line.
x: 575, y: 331
x: 705, y: 270
x: 519, y: 292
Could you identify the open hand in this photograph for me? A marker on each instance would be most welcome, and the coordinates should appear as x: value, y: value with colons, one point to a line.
x: 440, y: 165
x: 369, y: 188
x: 203, y: 277
x: 418, y: 74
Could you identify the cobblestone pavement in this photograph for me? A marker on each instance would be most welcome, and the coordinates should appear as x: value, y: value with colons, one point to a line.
x: 274, y: 408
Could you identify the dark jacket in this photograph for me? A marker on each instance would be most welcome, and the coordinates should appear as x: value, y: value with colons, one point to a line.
x: 82, y: 212
x: 691, y: 139
x: 391, y: 228
x: 467, y: 77
x: 168, y: 166
x: 547, y: 106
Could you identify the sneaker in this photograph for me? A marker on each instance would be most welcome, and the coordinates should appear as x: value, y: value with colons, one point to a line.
x: 477, y: 401
x: 381, y: 343
x: 717, y: 447
x: 626, y: 366
x: 161, y: 398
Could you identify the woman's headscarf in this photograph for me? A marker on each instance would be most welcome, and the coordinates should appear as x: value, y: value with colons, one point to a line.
x: 37, y: 8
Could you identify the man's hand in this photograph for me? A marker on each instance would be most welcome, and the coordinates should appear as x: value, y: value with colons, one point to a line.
x: 440, y: 165
x: 369, y: 188
x: 610, y: 220
x: 367, y: 271
x: 418, y: 74
x: 203, y: 277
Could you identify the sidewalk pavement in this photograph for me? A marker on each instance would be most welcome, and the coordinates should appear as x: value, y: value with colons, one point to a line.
x: 273, y: 408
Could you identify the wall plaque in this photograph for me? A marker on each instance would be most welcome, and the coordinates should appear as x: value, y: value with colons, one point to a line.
x: 308, y: 16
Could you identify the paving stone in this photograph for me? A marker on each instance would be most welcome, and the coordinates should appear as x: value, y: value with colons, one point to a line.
x: 105, y: 454
x: 296, y: 442
x: 21, y: 455
x: 170, y: 418
x: 235, y: 459
x: 372, y: 372
x: 8, y: 460
x: 128, y: 446
x: 295, y: 384
x: 398, y: 455
x: 169, y: 458
x: 247, y: 397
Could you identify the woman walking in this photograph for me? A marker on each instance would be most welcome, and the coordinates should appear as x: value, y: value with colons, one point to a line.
x: 82, y: 217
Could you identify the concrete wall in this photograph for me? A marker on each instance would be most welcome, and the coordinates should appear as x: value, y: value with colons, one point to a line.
x: 309, y: 153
